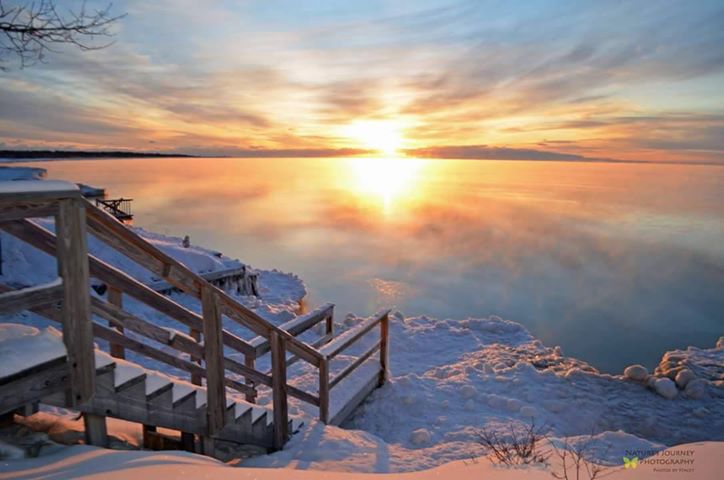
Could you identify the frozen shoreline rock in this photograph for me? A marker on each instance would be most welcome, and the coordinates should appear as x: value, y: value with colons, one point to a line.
x: 684, y: 377
x: 636, y: 372
x: 420, y: 437
x: 666, y: 388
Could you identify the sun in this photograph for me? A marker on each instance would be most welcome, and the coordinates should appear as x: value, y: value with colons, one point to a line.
x: 383, y: 136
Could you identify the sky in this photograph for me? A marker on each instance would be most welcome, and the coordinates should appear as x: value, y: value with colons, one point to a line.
x: 562, y: 79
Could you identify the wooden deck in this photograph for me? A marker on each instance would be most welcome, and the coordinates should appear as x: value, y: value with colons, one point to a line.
x: 201, y: 346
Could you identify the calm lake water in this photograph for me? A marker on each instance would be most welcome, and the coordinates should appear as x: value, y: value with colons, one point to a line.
x: 616, y: 263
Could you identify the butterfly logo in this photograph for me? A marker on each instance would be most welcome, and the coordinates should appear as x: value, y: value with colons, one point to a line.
x: 632, y: 462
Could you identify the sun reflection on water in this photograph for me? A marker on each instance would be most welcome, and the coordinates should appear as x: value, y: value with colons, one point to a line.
x: 386, y: 180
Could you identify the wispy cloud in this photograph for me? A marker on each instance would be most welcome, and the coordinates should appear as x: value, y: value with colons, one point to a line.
x: 625, y: 80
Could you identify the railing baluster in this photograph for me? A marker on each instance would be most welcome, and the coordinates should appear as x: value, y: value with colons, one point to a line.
x: 324, y: 390
x: 384, y: 347
x: 72, y: 253
x: 115, y: 297
x: 279, y: 389
x: 250, y: 361
x: 73, y: 268
x: 214, y: 357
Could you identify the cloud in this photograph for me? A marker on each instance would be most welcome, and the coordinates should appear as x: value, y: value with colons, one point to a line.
x: 484, y: 152
x: 250, y: 77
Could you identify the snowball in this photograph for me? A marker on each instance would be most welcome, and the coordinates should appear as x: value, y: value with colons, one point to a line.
x: 697, y: 388
x: 468, y: 391
x: 684, y: 377
x: 350, y: 319
x: 666, y: 388
x: 636, y: 372
x: 420, y: 437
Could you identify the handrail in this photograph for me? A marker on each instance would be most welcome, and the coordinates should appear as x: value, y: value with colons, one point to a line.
x: 45, y: 241
x: 295, y: 326
x: 339, y: 344
x: 75, y: 216
x: 113, y: 233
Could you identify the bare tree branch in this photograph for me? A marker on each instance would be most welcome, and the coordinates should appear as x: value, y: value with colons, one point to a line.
x: 29, y: 31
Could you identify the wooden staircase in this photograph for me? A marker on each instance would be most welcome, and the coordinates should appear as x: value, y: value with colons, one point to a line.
x: 102, y: 385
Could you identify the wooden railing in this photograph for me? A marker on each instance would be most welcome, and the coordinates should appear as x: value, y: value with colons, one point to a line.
x: 118, y: 207
x: 203, y: 349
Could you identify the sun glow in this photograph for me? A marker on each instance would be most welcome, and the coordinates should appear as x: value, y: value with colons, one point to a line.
x: 388, y: 179
x: 383, y: 136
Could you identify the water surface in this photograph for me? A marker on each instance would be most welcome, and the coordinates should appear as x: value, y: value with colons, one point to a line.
x: 616, y: 263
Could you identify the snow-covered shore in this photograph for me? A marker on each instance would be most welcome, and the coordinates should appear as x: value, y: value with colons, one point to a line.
x: 91, y: 462
x: 449, y: 378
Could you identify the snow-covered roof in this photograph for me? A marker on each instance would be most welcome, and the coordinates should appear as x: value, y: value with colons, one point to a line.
x: 35, y: 186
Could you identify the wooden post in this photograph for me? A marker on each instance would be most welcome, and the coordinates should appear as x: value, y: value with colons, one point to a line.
x: 214, y: 356
x: 96, y: 431
x: 324, y: 390
x: 384, y: 347
x: 329, y: 322
x: 279, y: 389
x: 250, y: 361
x: 115, y: 297
x: 72, y: 253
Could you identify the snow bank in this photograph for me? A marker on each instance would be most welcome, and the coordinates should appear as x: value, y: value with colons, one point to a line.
x: 90, y: 462
x: 449, y: 378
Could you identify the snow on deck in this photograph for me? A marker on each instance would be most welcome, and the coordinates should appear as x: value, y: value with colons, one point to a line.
x: 23, y: 347
x: 33, y: 186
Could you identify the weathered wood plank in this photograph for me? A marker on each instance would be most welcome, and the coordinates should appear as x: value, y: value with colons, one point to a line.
x: 115, y: 298
x: 72, y: 257
x: 26, y: 298
x: 33, y: 384
x: 384, y: 348
x: 324, y: 388
x: 214, y: 359
x: 250, y: 363
x: 121, y: 319
x: 279, y: 390
x: 27, y: 209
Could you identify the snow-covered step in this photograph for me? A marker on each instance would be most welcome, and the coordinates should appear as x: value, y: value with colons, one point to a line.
x: 348, y: 394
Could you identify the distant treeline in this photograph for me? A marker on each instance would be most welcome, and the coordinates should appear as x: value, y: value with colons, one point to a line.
x: 6, y: 154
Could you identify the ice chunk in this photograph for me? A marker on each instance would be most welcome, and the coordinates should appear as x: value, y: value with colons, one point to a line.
x: 666, y: 388
x: 636, y: 372
x: 684, y: 377
x: 420, y: 437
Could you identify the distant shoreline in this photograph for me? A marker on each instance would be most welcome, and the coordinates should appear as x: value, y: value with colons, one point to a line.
x: 13, y: 156
x: 72, y: 154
